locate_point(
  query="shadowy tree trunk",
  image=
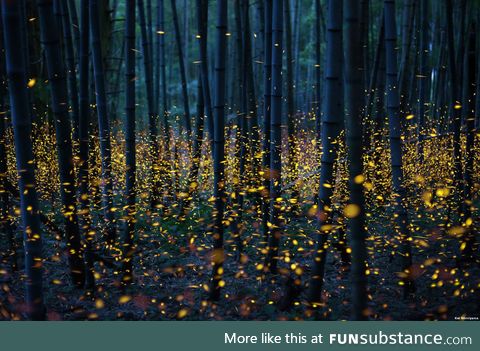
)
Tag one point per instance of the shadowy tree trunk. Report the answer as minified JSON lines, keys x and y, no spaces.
{"x":70,"y":63}
{"x":375,"y":91}
{"x":162,"y":96}
{"x":424,"y":74}
{"x":275,"y":138}
{"x":83,"y":136}
{"x":331,"y":125}
{"x":267,"y":76}
{"x":292,"y":123}
{"x":72,"y":9}
{"x":22,"y":130}
{"x":469,"y":74}
{"x":396,"y":147}
{"x":318,"y":71}
{"x":219,"y":150}
{"x":6,"y":225}
{"x":455,"y":106}
{"x":355,"y":210}
{"x":50,"y":38}
{"x":130,"y":179}
{"x":152,"y":113}
{"x":103,"y":122}
{"x":181,"y":61}
{"x":202,"y":20}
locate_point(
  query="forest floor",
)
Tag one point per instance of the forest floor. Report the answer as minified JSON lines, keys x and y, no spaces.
{"x":171,"y":273}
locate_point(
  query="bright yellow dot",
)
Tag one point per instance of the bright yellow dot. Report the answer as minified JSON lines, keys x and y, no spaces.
{"x":442,"y":192}
{"x":351,"y":210}
{"x":359,"y":179}
{"x":427,"y":197}
{"x":456,"y":231}
{"x":99,"y":304}
{"x":31,"y":82}
{"x":182,"y":313}
{"x":124,"y":299}
{"x":326,"y":227}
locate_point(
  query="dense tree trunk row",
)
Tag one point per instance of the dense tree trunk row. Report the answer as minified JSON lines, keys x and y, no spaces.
{"x":310,"y":127}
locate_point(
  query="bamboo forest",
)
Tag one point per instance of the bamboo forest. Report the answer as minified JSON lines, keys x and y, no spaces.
{"x":239,"y":160}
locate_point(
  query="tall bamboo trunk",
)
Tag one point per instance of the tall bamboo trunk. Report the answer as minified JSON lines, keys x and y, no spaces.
{"x":186,"y":38}
{"x":149,"y":25}
{"x":455,"y":106}
{"x":70,"y":63}
{"x":459,"y":38}
{"x":129,"y":127}
{"x":318,"y":72}
{"x":374,"y":93}
{"x":148,"y":70}
{"x":219,"y":150}
{"x":181,"y":60}
{"x":267,"y":76}
{"x":364,"y":9}
{"x":396,"y":146}
{"x":202,"y":20}
{"x":76,"y":28}
{"x":276,"y":138}
{"x":407,"y":36}
{"x":83,"y":136}
{"x":424,"y":74}
{"x":202,"y":13}
{"x":157,"y":35}
{"x":468,"y":245}
{"x":251,"y":102}
{"x":6,"y":225}
{"x":240,"y":131}
{"x":331,"y":125}
{"x":355,"y":210}
{"x":162,"y":95}
{"x":292,"y":123}
{"x":161,"y":58}
{"x":477,"y":100}
{"x":296,"y":28}
{"x":58,"y":88}
{"x":151,"y":107}
{"x":21,"y":122}
{"x":103,"y":122}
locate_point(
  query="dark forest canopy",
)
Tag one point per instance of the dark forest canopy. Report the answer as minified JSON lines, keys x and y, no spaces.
{"x":244,"y":159}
